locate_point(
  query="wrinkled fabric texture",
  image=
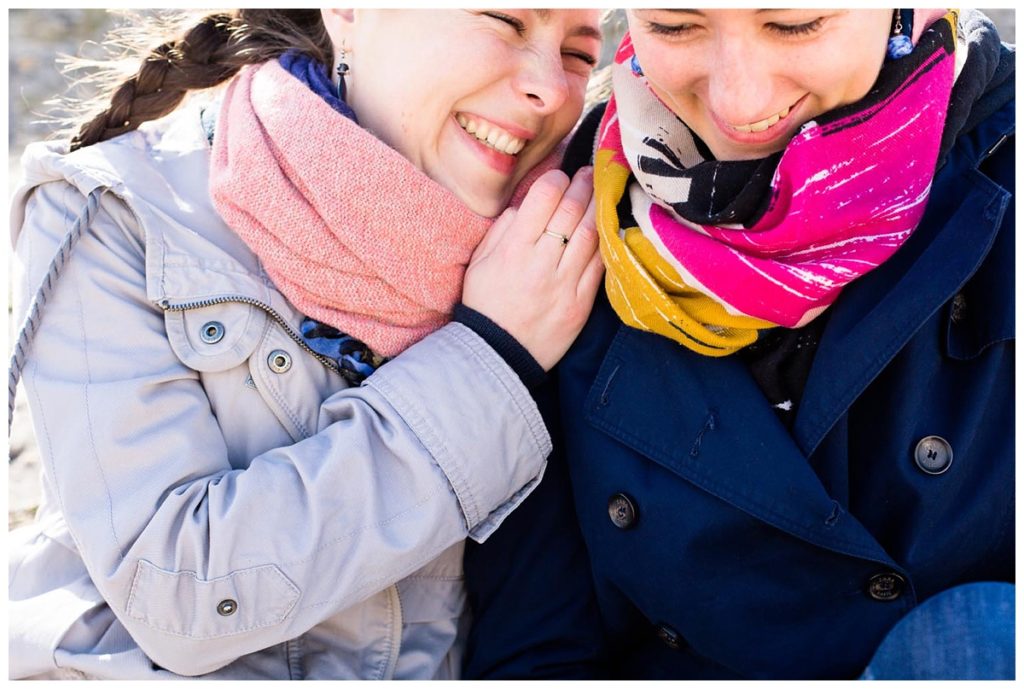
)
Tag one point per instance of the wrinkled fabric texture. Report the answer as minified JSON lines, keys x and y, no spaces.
{"x":724,"y":249}
{"x":217,"y":500}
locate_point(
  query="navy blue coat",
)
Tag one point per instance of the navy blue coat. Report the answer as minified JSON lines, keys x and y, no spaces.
{"x":751,"y":550}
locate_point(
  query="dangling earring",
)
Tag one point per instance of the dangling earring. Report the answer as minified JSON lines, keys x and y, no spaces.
{"x":342,"y":70}
{"x":899,"y":42}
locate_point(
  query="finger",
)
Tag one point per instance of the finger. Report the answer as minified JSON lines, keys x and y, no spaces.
{"x":591,"y":279}
{"x":582,"y":243}
{"x":494,"y":234}
{"x":538,"y":206}
{"x":574,"y":203}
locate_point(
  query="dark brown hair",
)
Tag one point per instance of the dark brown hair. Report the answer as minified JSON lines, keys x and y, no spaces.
{"x":201,"y":56}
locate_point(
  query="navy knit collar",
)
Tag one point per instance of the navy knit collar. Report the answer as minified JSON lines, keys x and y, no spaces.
{"x":313,"y":74}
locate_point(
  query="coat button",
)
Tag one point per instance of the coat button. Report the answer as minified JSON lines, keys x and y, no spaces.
{"x":622,"y":511}
{"x":670,"y":637}
{"x":279,"y":361}
{"x":958,"y":308}
{"x":886,"y":586}
{"x":933,"y":455}
{"x":212,"y":332}
{"x":227,"y":607}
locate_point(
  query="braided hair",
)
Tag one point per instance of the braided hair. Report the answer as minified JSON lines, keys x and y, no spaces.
{"x":204,"y":55}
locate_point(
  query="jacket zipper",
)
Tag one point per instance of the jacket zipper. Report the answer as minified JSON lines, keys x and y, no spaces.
{"x":166,"y":305}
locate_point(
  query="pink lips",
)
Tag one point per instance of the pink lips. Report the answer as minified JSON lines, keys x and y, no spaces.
{"x":500,"y":162}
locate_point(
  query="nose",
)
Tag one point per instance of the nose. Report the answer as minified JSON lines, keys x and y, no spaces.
{"x":740,"y":86}
{"x":541,"y":78}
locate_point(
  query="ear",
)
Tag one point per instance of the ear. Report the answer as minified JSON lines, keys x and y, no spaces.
{"x":339,"y":25}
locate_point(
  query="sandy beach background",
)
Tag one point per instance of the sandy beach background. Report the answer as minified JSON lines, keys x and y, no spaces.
{"x":35,"y":39}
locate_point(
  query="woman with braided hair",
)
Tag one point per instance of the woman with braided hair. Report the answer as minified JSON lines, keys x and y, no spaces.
{"x":289,"y":346}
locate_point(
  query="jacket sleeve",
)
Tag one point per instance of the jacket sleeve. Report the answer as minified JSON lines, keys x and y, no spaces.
{"x":529,"y":586}
{"x":203,"y":562}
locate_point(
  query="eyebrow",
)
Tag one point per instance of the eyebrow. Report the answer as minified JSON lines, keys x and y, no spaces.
{"x":584,"y":30}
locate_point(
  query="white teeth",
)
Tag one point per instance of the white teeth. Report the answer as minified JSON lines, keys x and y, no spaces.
{"x":491,"y":135}
{"x":761,"y":125}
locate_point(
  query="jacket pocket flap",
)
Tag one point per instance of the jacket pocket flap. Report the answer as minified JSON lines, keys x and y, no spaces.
{"x":217,"y":337}
{"x":183,"y":604}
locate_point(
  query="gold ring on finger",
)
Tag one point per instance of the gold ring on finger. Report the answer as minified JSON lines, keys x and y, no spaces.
{"x":559,"y":236}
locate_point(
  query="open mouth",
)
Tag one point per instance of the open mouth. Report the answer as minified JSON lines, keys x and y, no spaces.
{"x":764,"y":124}
{"x":490,"y":134}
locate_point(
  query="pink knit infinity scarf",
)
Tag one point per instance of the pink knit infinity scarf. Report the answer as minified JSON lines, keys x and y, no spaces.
{"x":350,"y":231}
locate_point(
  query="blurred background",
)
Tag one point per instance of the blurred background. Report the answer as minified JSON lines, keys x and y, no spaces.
{"x":36,"y":39}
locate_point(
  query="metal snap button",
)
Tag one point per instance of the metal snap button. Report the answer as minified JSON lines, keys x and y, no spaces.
{"x":622,"y":511}
{"x":886,"y":586}
{"x":212,"y":332}
{"x":227,"y":607}
{"x":279,"y":361}
{"x":933,"y":455}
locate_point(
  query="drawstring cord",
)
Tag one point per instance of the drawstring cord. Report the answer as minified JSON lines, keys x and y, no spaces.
{"x":32,"y":319}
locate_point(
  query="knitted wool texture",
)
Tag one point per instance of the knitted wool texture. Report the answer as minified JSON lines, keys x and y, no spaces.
{"x":351,"y":232}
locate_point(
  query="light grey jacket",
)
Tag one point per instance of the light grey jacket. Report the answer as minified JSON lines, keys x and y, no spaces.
{"x":215,"y":501}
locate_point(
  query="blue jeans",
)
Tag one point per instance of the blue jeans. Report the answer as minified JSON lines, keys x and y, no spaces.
{"x":966,"y":632}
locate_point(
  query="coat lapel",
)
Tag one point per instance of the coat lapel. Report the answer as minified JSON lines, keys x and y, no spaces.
{"x":705,"y":420}
{"x":876,"y":316}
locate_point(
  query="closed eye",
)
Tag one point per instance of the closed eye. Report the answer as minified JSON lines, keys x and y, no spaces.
{"x":797,"y":29}
{"x":516,"y":24}
{"x":587,"y":58}
{"x":670,"y":29}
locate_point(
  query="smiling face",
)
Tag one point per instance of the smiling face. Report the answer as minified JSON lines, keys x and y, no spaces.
{"x":746,"y":80}
{"x":474,"y":98}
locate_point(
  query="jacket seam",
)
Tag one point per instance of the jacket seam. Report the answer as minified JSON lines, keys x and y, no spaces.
{"x":80,"y":312}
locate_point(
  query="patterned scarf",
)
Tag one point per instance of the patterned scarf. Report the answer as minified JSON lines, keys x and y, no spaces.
{"x":724,"y":249}
{"x":352,"y":233}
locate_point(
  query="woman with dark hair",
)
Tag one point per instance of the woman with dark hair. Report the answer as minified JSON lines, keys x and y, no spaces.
{"x":789,"y":421}
{"x":283,"y":357}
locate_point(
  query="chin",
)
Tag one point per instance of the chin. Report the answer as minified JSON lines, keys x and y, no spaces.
{"x":488,"y":205}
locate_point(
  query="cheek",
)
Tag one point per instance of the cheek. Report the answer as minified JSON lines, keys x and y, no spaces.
{"x":860,"y":64}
